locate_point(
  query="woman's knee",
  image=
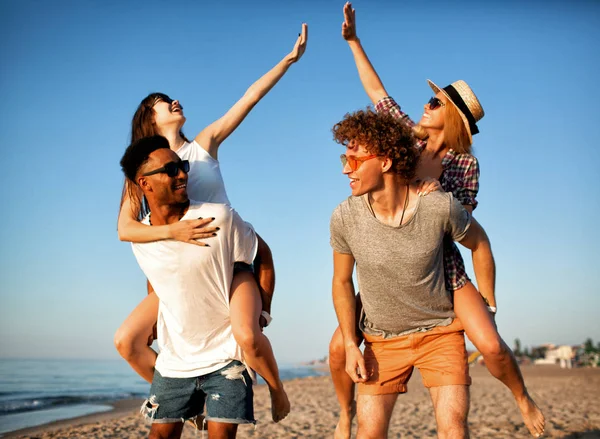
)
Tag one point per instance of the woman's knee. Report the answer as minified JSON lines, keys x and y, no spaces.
{"x":124,"y":343}
{"x":492,"y":345}
{"x":247,"y":338}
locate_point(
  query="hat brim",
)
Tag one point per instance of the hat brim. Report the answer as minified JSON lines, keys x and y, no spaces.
{"x":437,"y":90}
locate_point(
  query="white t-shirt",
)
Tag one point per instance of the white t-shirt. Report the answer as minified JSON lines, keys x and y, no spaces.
{"x":193,"y":285}
{"x":205,"y":182}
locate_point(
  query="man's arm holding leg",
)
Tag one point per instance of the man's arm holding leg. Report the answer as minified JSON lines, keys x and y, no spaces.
{"x":264,"y":272}
{"x":344,"y":301}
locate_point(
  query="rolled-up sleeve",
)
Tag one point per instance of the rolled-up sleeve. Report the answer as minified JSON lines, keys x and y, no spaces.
{"x":466,"y":193}
{"x":390,"y":106}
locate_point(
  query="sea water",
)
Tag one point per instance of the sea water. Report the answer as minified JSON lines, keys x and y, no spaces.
{"x":35,"y":392}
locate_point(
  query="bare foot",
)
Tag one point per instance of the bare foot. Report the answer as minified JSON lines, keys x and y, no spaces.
{"x":198,"y":423}
{"x":532,"y":415}
{"x":344,"y":426}
{"x":280,"y":404}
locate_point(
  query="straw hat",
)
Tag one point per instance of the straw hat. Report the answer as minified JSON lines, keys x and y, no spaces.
{"x":465,"y":101}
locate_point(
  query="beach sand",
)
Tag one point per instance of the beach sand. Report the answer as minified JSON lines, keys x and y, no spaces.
{"x":570,"y":400}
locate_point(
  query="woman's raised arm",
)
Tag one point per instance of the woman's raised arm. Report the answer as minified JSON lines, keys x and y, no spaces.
{"x":368,"y":76}
{"x":211,"y":137}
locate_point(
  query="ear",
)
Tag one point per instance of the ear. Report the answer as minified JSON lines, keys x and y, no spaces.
{"x":386,"y":164}
{"x":144,"y":184}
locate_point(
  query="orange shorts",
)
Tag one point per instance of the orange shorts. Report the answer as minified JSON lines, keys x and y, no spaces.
{"x":439,"y":354}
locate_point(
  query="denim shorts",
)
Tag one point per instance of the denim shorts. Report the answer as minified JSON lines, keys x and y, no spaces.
{"x":227,"y":393}
{"x":242,"y":267}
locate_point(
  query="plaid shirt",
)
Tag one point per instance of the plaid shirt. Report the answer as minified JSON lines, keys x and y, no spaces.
{"x":460,"y":175}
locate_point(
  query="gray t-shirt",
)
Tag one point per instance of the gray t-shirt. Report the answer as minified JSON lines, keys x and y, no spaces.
{"x":400,"y":269}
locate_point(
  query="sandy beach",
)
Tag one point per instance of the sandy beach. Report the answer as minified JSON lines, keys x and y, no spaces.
{"x":570,"y":400}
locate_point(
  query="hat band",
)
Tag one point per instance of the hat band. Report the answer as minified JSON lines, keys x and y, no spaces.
{"x":458,"y":101}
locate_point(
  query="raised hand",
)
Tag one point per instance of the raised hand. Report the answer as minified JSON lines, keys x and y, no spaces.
{"x":349,"y":24}
{"x":300,"y":45}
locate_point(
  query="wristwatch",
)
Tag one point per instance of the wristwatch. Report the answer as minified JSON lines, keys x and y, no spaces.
{"x":267,"y":317}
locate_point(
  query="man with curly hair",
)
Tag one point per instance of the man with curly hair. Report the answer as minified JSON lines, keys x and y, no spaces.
{"x":395,"y":238}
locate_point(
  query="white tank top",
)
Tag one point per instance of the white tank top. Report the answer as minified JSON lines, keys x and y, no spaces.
{"x":205,"y":182}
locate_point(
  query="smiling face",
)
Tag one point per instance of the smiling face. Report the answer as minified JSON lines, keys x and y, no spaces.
{"x":167,"y":113}
{"x":160,"y":189}
{"x":434,"y":118}
{"x":368,"y":175}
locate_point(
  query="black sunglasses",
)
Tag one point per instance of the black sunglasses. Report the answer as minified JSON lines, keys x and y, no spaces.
{"x":165,"y":98}
{"x":435,"y":103}
{"x":171,"y":169}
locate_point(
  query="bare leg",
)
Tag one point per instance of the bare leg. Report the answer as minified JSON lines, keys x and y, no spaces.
{"x":451,"y":407}
{"x":499,"y":359}
{"x":343,"y":384}
{"x":166,"y":431}
{"x":131,"y":339}
{"x":374,"y":414}
{"x":245,"y":309}
{"x":221,"y":430}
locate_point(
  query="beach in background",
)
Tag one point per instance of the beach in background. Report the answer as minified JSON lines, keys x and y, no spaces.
{"x":570,"y":399}
{"x":36,"y":392}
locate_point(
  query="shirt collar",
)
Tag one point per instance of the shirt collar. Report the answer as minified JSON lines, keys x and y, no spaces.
{"x":448,"y":158}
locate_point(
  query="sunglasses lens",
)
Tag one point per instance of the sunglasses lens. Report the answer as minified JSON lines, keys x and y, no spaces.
{"x":343,"y":159}
{"x":185,"y":166}
{"x":353,"y":163}
{"x":433,"y":103}
{"x":171,"y":169}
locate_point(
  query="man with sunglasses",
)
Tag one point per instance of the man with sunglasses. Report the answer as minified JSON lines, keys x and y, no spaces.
{"x":199,"y":361}
{"x":395,"y":238}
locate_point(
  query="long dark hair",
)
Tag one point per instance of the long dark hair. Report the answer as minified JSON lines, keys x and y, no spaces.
{"x":142,"y":126}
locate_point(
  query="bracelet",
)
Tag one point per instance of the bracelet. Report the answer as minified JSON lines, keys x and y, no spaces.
{"x":492,"y":309}
{"x":267,"y":317}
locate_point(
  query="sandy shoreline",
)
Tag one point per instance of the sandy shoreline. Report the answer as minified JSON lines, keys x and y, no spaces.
{"x":570,"y":399}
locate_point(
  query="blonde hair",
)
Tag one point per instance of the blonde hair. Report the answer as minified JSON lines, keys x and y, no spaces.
{"x":456,"y":136}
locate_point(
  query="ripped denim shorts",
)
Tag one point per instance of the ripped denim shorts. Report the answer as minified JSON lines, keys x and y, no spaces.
{"x":227,"y":393}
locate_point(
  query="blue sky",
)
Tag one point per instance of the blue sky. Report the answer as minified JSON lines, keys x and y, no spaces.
{"x":73,"y":73}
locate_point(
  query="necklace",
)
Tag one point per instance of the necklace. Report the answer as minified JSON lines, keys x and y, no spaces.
{"x":368,"y":200}
{"x":405,"y":205}
{"x":181,"y":214}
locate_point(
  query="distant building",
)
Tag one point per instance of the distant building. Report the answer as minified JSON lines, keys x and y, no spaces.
{"x":562,"y":355}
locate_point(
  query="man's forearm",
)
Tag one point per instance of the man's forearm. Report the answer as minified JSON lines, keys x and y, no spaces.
{"x":344,"y":301}
{"x":265,"y":277}
{"x":264,"y":272}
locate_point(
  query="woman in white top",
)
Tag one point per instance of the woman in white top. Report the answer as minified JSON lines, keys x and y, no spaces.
{"x":158,"y":114}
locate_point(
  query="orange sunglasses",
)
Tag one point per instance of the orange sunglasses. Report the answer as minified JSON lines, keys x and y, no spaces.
{"x":355,"y":162}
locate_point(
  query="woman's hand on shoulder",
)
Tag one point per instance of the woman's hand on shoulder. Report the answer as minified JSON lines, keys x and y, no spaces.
{"x":300,"y":46}
{"x":349,"y":24}
{"x":190,"y":231}
{"x":427,"y":185}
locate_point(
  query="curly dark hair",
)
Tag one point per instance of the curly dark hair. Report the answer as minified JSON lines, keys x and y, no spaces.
{"x":383,"y":135}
